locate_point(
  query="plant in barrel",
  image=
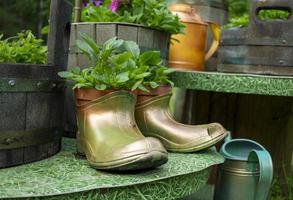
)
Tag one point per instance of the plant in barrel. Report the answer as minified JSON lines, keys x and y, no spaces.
{"x":31,"y":95}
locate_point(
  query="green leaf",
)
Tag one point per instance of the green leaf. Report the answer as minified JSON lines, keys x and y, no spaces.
{"x":154,"y":84}
{"x":101,"y":87}
{"x":82,"y":85}
{"x":132,"y":47}
{"x":137,"y":84}
{"x":65,"y":74}
{"x":143,"y":75}
{"x":85,"y":48}
{"x":122,"y":58}
{"x":122,"y":77}
{"x":45,"y":30}
{"x":169,"y":71}
{"x":150,"y":58}
{"x":90,"y":42}
{"x":76,"y":70}
{"x":112,"y":43}
{"x":141,"y":87}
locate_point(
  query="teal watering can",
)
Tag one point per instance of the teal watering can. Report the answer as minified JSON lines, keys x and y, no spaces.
{"x":247,"y":172}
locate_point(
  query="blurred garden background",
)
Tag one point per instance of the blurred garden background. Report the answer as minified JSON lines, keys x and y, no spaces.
{"x":17,"y":16}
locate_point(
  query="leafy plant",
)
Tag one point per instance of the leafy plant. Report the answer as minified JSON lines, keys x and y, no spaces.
{"x":238,"y":12}
{"x":23,"y":48}
{"x":151,"y":13}
{"x":118,"y":64}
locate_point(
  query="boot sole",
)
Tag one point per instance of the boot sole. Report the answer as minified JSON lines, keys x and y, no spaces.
{"x":138,"y":162}
{"x":193,"y":148}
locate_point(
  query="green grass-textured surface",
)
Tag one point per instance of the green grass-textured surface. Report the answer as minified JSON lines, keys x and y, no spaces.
{"x":234,"y":83}
{"x":66,"y":177}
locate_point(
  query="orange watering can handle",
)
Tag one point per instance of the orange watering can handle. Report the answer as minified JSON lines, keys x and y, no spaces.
{"x":216,"y":31}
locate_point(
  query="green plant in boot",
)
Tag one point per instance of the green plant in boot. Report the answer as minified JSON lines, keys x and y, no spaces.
{"x":118,"y":65}
{"x":108,"y":133}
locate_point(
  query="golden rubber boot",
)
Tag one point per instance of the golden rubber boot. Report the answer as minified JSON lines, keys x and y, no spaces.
{"x":154,"y":119}
{"x":110,"y":138}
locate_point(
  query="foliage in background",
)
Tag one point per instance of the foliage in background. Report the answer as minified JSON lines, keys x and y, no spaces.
{"x":118,"y":64}
{"x":239,"y":14}
{"x":23,"y":48}
{"x":23,"y":15}
{"x":277,"y":190}
{"x":152,"y":13}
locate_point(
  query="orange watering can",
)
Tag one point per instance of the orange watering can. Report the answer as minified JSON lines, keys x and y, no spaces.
{"x":189,"y":52}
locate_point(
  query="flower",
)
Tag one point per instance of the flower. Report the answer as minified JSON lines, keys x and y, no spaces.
{"x":114,"y":5}
{"x":97,"y":2}
{"x":84,"y":4}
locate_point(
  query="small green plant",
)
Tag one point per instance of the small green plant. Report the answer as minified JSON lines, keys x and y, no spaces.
{"x":23,"y":48}
{"x":282,"y":186}
{"x":151,"y":13}
{"x":118,"y":64}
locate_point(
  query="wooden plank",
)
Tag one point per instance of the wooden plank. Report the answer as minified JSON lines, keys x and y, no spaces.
{"x":218,"y":108}
{"x":58,"y":37}
{"x":267,"y":120}
{"x":73,"y":38}
{"x":14,"y":157}
{"x":72,"y":60}
{"x":12,"y":115}
{"x":56,"y":109}
{"x":30,"y":154}
{"x":54,"y":147}
{"x":145,"y":37}
{"x":104,"y":32}
{"x":231,"y":111}
{"x":200,"y":107}
{"x":3,"y":158}
{"x":38,"y":110}
{"x":83,"y":61}
{"x":88,"y":28}
{"x":161,"y":43}
{"x":127,"y":32}
{"x":25,"y":71}
{"x":70,"y":126}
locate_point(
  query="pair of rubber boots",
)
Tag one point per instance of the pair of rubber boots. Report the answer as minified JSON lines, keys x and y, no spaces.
{"x":118,"y":133}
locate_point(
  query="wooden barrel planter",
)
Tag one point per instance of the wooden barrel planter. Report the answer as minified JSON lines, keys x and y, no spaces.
{"x":264,"y":47}
{"x":146,"y":38}
{"x":30,"y":104}
{"x":31,"y":100}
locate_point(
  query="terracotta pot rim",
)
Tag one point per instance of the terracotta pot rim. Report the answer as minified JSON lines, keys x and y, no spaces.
{"x":89,"y":94}
{"x":156,"y":91}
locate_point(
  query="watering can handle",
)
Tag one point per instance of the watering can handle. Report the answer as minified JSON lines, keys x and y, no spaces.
{"x":216,"y":31}
{"x":266,"y":172}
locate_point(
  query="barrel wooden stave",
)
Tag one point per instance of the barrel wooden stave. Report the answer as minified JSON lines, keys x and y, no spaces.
{"x":25,"y":111}
{"x":146,"y":38}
